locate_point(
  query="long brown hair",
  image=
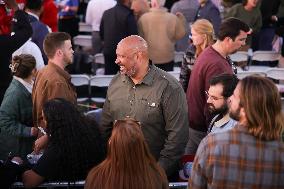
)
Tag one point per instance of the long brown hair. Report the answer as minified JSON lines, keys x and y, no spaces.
{"x":203,"y":27}
{"x":129,"y":163}
{"x":262,"y":105}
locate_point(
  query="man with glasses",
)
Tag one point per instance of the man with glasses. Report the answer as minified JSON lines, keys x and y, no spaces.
{"x":250,"y":155}
{"x":151,"y":96}
{"x":221,"y":88}
{"x":212,"y":61}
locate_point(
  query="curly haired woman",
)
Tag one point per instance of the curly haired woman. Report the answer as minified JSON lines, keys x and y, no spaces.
{"x":74,"y":146}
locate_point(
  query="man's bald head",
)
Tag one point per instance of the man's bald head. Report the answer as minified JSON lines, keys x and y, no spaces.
{"x":134,"y":43}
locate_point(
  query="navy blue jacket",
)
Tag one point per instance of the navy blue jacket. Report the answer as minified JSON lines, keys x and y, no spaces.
{"x":40,"y":30}
{"x":210,"y":12}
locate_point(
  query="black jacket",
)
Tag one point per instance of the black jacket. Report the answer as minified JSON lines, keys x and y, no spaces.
{"x":117,"y":23}
{"x":8,"y":44}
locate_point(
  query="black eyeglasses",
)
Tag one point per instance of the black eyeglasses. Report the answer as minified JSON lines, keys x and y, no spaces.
{"x":214,"y":98}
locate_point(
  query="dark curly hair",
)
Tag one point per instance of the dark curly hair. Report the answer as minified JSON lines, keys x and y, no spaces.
{"x":75,"y":138}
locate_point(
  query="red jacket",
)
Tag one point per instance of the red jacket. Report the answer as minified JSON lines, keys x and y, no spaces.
{"x":49,"y":15}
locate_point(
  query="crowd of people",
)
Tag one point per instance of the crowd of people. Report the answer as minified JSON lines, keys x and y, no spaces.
{"x":150,"y":121}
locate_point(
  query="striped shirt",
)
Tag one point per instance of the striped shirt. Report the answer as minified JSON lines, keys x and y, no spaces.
{"x":236,"y":159}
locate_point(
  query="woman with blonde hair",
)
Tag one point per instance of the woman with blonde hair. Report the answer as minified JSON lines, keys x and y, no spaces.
{"x":129,"y":163}
{"x":202,"y":35}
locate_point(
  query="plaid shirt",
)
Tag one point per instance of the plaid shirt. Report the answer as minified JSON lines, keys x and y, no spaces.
{"x":236,"y":159}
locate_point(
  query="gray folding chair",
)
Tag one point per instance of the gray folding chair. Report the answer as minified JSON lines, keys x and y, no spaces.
{"x":82,"y":84}
{"x":99,"y":81}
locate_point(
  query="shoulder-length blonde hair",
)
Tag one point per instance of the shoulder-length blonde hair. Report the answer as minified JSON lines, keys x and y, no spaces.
{"x":129,"y":163}
{"x":203,"y":27}
{"x":262,"y":105}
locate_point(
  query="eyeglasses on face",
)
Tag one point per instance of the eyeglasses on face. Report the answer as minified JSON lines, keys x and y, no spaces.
{"x":214,"y":98}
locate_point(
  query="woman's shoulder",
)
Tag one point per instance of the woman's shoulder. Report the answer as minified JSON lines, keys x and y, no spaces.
{"x":15,"y":90}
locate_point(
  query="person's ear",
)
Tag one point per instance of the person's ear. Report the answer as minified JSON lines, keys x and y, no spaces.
{"x":242,"y":112}
{"x":34,"y":72}
{"x":59,"y":52}
{"x":228,"y":39}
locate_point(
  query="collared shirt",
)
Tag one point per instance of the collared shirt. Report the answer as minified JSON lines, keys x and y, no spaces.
{"x":236,"y":159}
{"x":27,"y":85}
{"x":51,"y":82}
{"x":223,"y":124}
{"x":159,"y":103}
{"x":95,"y":10}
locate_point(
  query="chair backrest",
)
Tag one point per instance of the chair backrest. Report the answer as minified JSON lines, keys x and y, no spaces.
{"x":80,"y":79}
{"x":239,"y":56}
{"x":83,"y":40}
{"x":82,"y":84}
{"x":275,"y":73}
{"x":265,"y":56}
{"x":243,"y":74}
{"x":84,"y":27}
{"x":178,"y":56}
{"x":95,"y":114}
{"x":175,"y":74}
{"x":278,"y":74}
{"x":98,"y":64}
{"x":101,"y":80}
{"x":99,"y":58}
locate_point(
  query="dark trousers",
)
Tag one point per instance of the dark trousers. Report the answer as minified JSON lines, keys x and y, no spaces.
{"x":168,"y":66}
{"x":70,"y":25}
{"x":96,"y":42}
{"x":111,"y":68}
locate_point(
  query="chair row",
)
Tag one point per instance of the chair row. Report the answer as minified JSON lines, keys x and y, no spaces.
{"x":98,"y":62}
{"x":80,"y":184}
{"x":85,"y":82}
{"x":242,"y":56}
{"x":264,"y":71}
{"x":80,"y":80}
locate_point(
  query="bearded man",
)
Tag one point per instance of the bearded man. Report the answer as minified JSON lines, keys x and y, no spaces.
{"x":52,"y":81}
{"x":250,"y":155}
{"x":221,"y":88}
{"x":153,"y":97}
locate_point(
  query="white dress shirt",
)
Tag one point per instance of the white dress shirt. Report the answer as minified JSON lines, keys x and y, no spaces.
{"x":31,"y":48}
{"x":95,"y":10}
